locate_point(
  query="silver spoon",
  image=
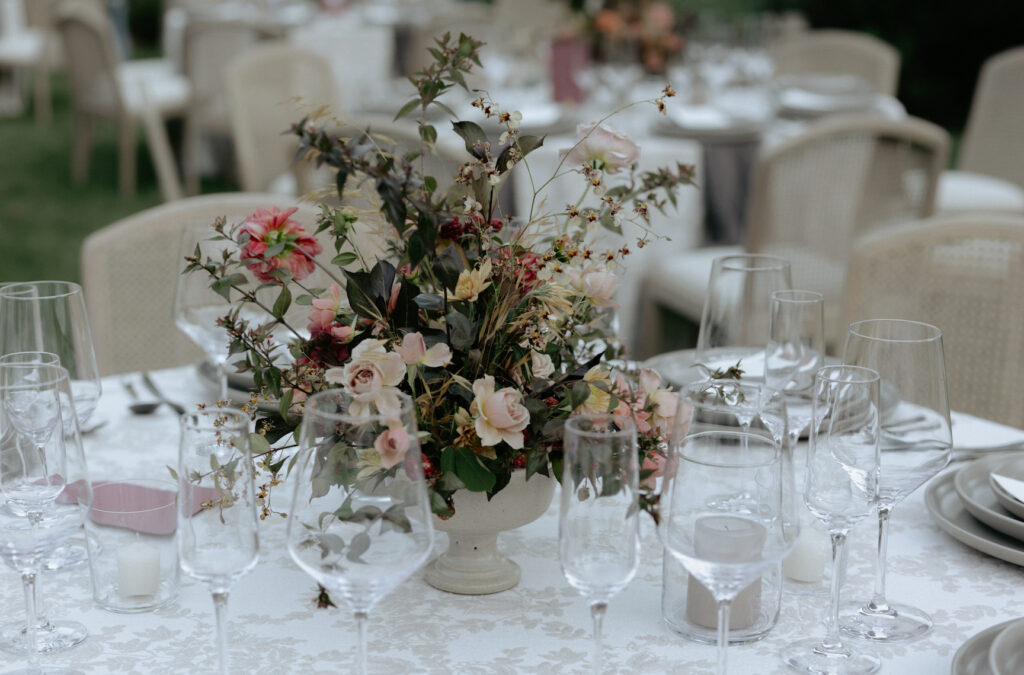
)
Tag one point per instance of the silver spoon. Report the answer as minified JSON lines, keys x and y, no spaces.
{"x":139,"y":407}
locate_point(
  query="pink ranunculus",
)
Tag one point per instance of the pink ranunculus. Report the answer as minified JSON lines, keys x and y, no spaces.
{"x":612,"y":150}
{"x":270,"y":228}
{"x":500,"y":415}
{"x":392,"y":445}
{"x":414,"y":352}
{"x":325,"y":309}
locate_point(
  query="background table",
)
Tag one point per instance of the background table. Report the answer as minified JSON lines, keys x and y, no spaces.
{"x":540,"y":626}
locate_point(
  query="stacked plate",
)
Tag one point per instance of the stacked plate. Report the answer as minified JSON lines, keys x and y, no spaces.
{"x":977,"y":510}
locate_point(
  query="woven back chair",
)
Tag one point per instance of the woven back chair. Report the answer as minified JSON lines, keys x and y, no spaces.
{"x":993,"y":141}
{"x":840,"y":52}
{"x":964,"y":274}
{"x":270,"y":88}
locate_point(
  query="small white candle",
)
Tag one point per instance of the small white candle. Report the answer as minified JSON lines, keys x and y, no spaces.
{"x":806,"y":562}
{"x":726,"y":539}
{"x":138,"y":569}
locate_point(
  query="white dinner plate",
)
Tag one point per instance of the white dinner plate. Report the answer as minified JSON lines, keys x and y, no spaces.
{"x":947,"y":509}
{"x":972,"y":657}
{"x":1006,"y":656}
{"x":1012,"y":468}
{"x":973,"y":488}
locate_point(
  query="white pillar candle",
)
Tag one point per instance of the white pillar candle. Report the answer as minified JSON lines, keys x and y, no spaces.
{"x":806,"y":562}
{"x":726,"y":539}
{"x":138,"y":569}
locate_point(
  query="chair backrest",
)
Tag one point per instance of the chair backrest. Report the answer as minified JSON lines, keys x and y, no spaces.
{"x":209,"y":45}
{"x":993,"y":142}
{"x":813,"y":194}
{"x":90,"y":58}
{"x":270,"y":88}
{"x":964,"y":274}
{"x":840,"y":52}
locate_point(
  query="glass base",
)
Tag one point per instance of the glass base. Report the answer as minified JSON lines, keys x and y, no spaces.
{"x":897,"y":623}
{"x":808,"y":656}
{"x":66,"y":557}
{"x":44,"y":671}
{"x":51,"y":637}
{"x":817,"y":588}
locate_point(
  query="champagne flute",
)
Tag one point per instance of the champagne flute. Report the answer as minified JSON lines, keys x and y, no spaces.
{"x":724,"y":543}
{"x":360,"y":520}
{"x":841,"y":489}
{"x":51,"y":635}
{"x":50,"y":316}
{"x":43,"y":480}
{"x":218,"y":543}
{"x":598,"y":535}
{"x":916,"y":443}
{"x":795,"y":351}
{"x":735,"y":321}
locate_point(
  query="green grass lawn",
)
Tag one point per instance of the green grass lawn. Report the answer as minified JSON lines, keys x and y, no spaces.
{"x":43,"y":216}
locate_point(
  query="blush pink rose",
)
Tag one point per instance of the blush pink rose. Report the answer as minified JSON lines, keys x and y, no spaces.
{"x":414,"y":352}
{"x":392,"y":445}
{"x":500,"y":415}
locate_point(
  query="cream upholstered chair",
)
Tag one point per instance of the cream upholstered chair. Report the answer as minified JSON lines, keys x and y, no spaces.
{"x":270,"y":88}
{"x":208,"y":46}
{"x":839,"y":52}
{"x":25,"y":48}
{"x":126,"y":93}
{"x":990,"y":166}
{"x":965,"y":274}
{"x":810,"y":197}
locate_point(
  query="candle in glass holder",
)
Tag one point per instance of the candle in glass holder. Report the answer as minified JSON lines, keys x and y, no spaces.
{"x":138,"y":569}
{"x":726,"y":539}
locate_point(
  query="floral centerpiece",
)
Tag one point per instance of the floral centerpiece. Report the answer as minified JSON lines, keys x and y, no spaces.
{"x":496,"y":327}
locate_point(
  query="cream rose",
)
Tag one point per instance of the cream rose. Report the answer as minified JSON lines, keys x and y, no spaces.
{"x":600,"y":286}
{"x":499,"y":415}
{"x":472,"y":283}
{"x":370,"y":377}
{"x":541,"y":365}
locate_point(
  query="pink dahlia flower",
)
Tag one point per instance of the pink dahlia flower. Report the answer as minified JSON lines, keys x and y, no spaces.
{"x":275,"y":242}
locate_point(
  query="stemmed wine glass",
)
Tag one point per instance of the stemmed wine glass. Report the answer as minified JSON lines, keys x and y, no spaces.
{"x":841,"y":489}
{"x":360,"y":521}
{"x":735,"y":321}
{"x":51,"y":635}
{"x":726,"y":543}
{"x":916,"y":442}
{"x":218,"y":543}
{"x":43,"y":478}
{"x":795,"y":351}
{"x":731,"y":403}
{"x":598,"y":535}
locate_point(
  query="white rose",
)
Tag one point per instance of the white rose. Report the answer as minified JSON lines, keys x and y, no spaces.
{"x":613,"y":150}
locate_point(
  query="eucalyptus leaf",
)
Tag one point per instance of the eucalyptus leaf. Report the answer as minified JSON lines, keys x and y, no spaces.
{"x":359,"y":545}
{"x":283,"y":302}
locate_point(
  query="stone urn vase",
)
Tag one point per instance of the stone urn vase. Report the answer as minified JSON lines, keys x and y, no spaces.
{"x":472,"y":564}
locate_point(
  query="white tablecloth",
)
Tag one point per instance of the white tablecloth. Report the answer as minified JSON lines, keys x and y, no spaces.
{"x":540,"y":626}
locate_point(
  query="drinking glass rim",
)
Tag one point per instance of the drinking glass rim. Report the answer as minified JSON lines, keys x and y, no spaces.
{"x":854,"y":329}
{"x":810,"y":296}
{"x":629,"y":429}
{"x":775,"y":454}
{"x":61,"y":374}
{"x":868,"y":375}
{"x":72,"y":289}
{"x":404,"y":400}
{"x":764,"y":262}
{"x":6,"y":360}
{"x":237,"y":415}
{"x":169,"y":485}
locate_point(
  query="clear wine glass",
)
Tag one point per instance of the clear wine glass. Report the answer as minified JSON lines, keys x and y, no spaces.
{"x":197,"y":307}
{"x":598,"y":535}
{"x":724,"y":543}
{"x":841,"y":489}
{"x":50,"y":316}
{"x":43,"y":480}
{"x":360,"y":521}
{"x":58,"y":634}
{"x":218,"y":543}
{"x":916,"y":442}
{"x":731,"y":403}
{"x":794,"y":353}
{"x":735,"y":322}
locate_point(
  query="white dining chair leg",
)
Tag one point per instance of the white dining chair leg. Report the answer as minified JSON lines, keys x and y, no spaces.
{"x":162,"y":154}
{"x":190,"y":155}
{"x":126,"y":143}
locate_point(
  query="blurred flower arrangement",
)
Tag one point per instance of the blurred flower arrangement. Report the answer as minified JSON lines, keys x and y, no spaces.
{"x":648,"y":30}
{"x":496,"y":328}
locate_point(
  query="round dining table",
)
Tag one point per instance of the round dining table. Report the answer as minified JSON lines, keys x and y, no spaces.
{"x":540,"y":626}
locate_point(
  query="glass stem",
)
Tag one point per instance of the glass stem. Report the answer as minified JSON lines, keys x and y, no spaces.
{"x":28,"y":580}
{"x":222,"y":372}
{"x":597,"y":611}
{"x":723,"y":635}
{"x":220,"y":608}
{"x":361,"y":662}
{"x":878,"y":602}
{"x":832,"y":643}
